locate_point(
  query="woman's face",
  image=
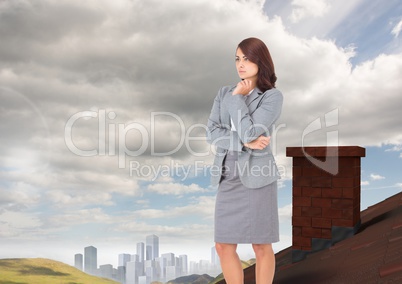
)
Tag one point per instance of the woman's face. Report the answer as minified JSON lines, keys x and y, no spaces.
{"x":245,"y":68}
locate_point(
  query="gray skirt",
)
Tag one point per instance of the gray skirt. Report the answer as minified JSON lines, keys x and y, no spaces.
{"x":244,"y":215}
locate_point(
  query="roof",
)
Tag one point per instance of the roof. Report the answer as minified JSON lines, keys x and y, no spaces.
{"x":372,"y":255}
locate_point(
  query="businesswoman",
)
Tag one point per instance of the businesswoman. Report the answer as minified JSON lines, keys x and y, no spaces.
{"x":240,"y":125}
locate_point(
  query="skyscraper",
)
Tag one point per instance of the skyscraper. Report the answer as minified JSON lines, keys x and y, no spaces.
{"x":140,"y":251}
{"x":124,"y":258}
{"x":183,"y":264}
{"x":91,"y":260}
{"x":152,"y":247}
{"x":78,"y":261}
{"x":214,"y":256}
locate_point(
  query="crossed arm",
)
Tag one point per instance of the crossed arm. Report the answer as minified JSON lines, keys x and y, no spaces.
{"x":252,"y":129}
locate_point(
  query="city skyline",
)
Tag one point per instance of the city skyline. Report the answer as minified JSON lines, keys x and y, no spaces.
{"x":103,"y":110}
{"x":135,"y":269}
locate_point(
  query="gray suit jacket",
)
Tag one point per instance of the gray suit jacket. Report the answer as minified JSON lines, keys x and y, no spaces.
{"x":252,"y":116}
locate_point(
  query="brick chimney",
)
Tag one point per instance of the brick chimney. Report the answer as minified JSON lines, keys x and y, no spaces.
{"x":326,"y":196}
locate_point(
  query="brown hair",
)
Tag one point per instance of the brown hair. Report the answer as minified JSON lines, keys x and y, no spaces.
{"x":258,"y":53}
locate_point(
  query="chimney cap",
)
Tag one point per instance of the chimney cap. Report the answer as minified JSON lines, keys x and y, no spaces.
{"x":326,"y":151}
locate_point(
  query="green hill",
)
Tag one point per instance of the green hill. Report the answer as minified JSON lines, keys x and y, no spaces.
{"x":44,"y":271}
{"x":218,"y":278}
{"x":193,"y":279}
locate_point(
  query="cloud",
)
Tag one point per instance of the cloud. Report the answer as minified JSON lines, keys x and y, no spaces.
{"x":397,"y":29}
{"x":285,"y":213}
{"x":308,"y":8}
{"x":363,"y":183}
{"x":175,"y":188}
{"x":202,"y":206}
{"x":376,"y":177}
{"x":15,"y":223}
{"x":396,"y":148}
{"x":79,"y":217}
{"x":61,"y":198}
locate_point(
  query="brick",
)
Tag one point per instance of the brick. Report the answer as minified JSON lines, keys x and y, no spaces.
{"x":297,"y":171}
{"x":320,"y":199}
{"x":294,"y":152}
{"x":301,"y":221}
{"x":356,"y":181}
{"x":301,"y":201}
{"x":326,"y":233}
{"x":321,"y":222}
{"x":311,"y":211}
{"x":301,"y":162}
{"x":342,"y":223}
{"x":348,"y":192}
{"x":348,"y":172}
{"x":296,"y":231}
{"x":342,"y":203}
{"x":297,"y":191}
{"x":326,"y":174}
{"x":311,"y":232}
{"x":301,"y":241}
{"x":354,"y":151}
{"x":309,"y":151}
{"x":347,"y":214}
{"x":343,"y":182}
{"x":301,"y":181}
{"x":356,"y":218}
{"x":311,"y":192}
{"x":356,"y":200}
{"x":321,"y":202}
{"x":311,"y":172}
{"x":327,"y":151}
{"x":296,"y":211}
{"x":321,"y":182}
{"x":332,"y":213}
{"x":349,"y":162}
{"x":331,"y":192}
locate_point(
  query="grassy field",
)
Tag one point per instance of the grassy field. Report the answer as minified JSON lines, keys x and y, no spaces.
{"x":218,"y":278}
{"x":44,"y":271}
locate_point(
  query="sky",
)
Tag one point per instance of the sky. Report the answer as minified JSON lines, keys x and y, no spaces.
{"x":104,"y":106}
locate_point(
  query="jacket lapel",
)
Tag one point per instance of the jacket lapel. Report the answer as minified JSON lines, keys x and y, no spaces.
{"x":253,"y":99}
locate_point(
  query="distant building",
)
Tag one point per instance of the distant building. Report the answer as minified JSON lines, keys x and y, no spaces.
{"x":160,"y":265}
{"x":134,"y":270}
{"x":144,"y":280}
{"x":121,"y":274}
{"x":151,"y":269}
{"x":124,"y":258}
{"x":204,"y":265}
{"x":183,"y":263}
{"x":170,"y":259}
{"x":146,"y":265}
{"x":91,"y":260}
{"x":134,"y":257}
{"x":78,"y":261}
{"x":140,"y":251}
{"x":172,"y":272}
{"x":152,"y":247}
{"x":214,"y":256}
{"x":106,"y":271}
{"x":193,"y":267}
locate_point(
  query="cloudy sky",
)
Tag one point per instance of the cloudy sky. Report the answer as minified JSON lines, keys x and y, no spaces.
{"x":104,"y":106}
